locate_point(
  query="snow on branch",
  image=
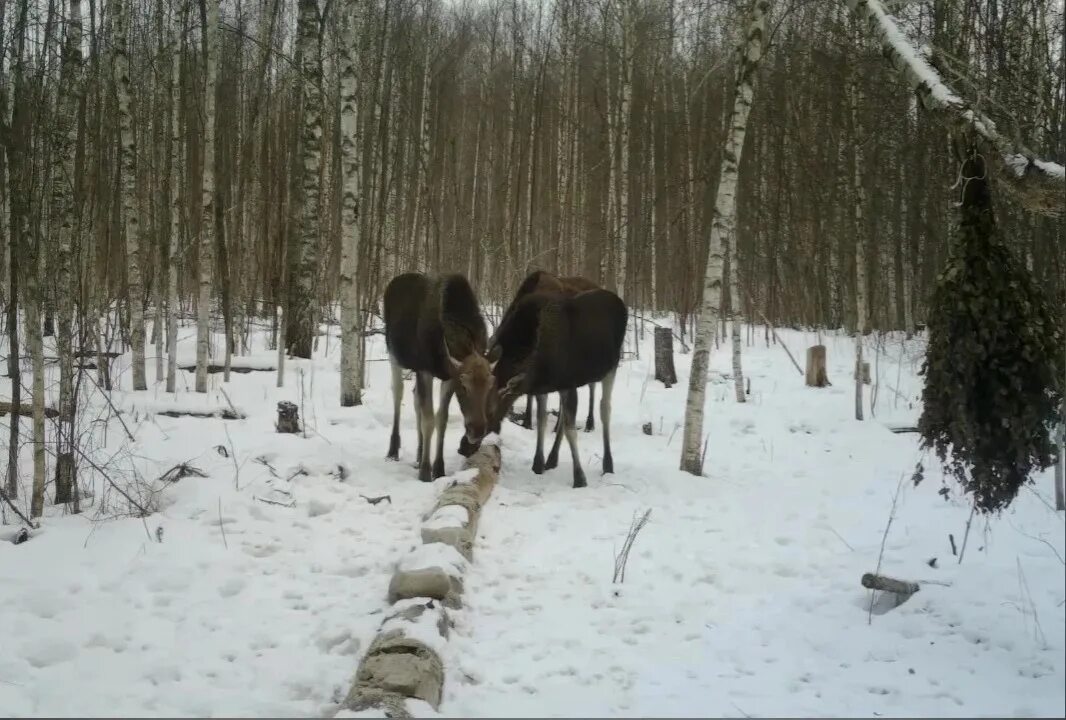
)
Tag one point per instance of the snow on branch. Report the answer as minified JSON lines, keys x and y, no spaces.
{"x":1038,"y":185}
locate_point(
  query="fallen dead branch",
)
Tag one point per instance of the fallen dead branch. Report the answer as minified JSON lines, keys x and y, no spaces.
{"x":376,"y":500}
{"x":622,"y":557}
{"x":179,"y":471}
{"x":274,"y":502}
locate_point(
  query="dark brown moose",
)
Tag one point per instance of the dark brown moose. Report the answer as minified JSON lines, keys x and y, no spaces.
{"x":552,"y":343}
{"x":434,"y":327}
{"x":543,"y":281}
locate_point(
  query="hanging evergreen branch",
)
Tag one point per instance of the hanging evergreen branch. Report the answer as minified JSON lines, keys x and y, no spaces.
{"x":993,"y":365}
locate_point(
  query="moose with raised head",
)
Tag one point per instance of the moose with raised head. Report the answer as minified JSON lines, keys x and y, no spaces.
{"x":434,"y":327}
{"x":553,"y":343}
{"x":545,"y":282}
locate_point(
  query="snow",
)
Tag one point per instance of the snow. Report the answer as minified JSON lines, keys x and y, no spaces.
{"x":423,"y":629}
{"x":436,"y":554}
{"x":741,"y":595}
{"x":449,"y":516}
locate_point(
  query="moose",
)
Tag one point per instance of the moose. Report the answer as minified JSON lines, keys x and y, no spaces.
{"x":434,"y":327}
{"x":543,"y":281}
{"x":553,"y":343}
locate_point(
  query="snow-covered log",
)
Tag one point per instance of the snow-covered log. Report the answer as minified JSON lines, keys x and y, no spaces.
{"x":404,"y":660}
{"x":1039,"y":185}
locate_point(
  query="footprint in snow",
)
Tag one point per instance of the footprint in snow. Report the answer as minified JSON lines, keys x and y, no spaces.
{"x":231,"y":587}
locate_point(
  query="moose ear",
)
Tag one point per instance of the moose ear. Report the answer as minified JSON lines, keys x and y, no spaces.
{"x":447,"y":351}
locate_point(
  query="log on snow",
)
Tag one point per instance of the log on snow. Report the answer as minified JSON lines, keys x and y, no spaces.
{"x":26,"y":410}
{"x":886,"y":584}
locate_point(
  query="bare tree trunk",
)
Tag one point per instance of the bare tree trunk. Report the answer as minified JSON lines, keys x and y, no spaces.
{"x":63,"y":189}
{"x":859,"y":232}
{"x":734,"y":306}
{"x":134,"y":282}
{"x":35,"y":341}
{"x":351,"y":322}
{"x":722,"y":227}
{"x":174,"y":176}
{"x":209,"y":11}
{"x":300,"y":319}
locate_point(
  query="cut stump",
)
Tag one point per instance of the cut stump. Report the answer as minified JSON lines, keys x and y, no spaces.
{"x":664,"y":356}
{"x":288,"y":417}
{"x":816,"y":375}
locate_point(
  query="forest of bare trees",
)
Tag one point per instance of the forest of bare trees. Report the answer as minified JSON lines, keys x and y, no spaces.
{"x":282,"y":160}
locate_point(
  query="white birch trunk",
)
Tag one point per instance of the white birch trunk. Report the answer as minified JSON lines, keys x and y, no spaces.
{"x":624,"y":105}
{"x":734,"y":311}
{"x":351,"y":322}
{"x":63,"y":189}
{"x":859,"y":232}
{"x":173,"y":181}
{"x":32,"y":310}
{"x":722,"y":227}
{"x":207,"y":221}
{"x":134,"y":282}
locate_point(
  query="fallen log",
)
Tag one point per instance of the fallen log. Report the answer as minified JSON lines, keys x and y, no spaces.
{"x":26,"y":410}
{"x":404,"y":659}
{"x":214,"y":368}
{"x":902,"y":588}
{"x":225,"y":414}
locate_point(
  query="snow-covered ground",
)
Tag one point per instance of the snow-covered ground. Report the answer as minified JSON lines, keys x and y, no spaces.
{"x":741,"y":596}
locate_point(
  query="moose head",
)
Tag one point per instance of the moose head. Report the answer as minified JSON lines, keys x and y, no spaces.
{"x":474,"y":384}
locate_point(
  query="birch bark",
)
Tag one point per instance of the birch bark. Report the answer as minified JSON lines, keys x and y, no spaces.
{"x":722,"y":226}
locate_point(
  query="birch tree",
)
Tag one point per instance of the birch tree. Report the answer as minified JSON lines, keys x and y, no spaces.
{"x":209,"y":12}
{"x":67,"y":216}
{"x":351,"y":321}
{"x":173,"y":183}
{"x":859,"y":233}
{"x":300,"y":320}
{"x":723,"y":225}
{"x":129,"y":210}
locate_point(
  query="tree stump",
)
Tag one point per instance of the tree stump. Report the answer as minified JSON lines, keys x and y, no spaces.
{"x":664,"y":356}
{"x":816,"y":375}
{"x":646,"y":427}
{"x":288,"y":417}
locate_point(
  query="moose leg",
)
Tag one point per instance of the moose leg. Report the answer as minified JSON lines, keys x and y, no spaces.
{"x":425,"y":421}
{"x":553,"y":456}
{"x":542,"y":422}
{"x":397,"y":400}
{"x":605,"y":418}
{"x":446,"y":390}
{"x":527,"y":419}
{"x":590,"y":423}
{"x":415,"y":394}
{"x":570,"y":428}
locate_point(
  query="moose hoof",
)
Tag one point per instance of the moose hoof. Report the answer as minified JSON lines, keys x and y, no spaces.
{"x":608,"y":465}
{"x":538,"y":465}
{"x":553,"y":462}
{"x":438,"y":469}
{"x":392,"y":456}
{"x":424,"y":474}
{"x":579,"y":480}
{"x":590,"y":425}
